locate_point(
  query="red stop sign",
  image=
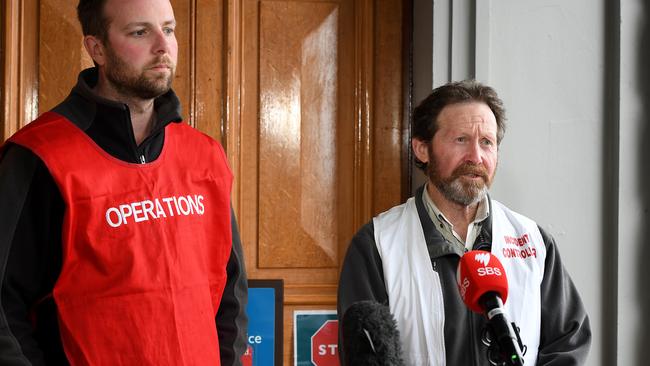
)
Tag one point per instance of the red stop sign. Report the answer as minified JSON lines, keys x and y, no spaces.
{"x":247,"y":357}
{"x":324,"y":345}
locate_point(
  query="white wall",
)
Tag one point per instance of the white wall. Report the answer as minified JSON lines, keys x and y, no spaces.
{"x":633,"y":330}
{"x":575,"y":155}
{"x":546,"y":61}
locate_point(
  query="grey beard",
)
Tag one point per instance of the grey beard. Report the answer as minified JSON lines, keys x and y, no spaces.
{"x":457,"y":193}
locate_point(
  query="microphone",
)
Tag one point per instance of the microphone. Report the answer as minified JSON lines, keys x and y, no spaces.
{"x":483,"y":287}
{"x":370,"y":336}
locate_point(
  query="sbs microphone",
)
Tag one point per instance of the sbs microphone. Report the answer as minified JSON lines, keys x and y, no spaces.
{"x":370,"y":336}
{"x":483,"y":287}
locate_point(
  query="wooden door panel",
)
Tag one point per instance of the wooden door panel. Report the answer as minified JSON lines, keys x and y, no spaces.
{"x":297,"y":132}
{"x":19,"y":40}
{"x":185,"y":66}
{"x":208,"y":55}
{"x":296,"y":147}
{"x":61,"y":52}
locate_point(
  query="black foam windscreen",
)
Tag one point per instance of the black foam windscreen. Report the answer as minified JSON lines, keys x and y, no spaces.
{"x":370,"y":336}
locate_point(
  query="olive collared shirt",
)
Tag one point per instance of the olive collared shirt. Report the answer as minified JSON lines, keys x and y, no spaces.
{"x":446,"y":228}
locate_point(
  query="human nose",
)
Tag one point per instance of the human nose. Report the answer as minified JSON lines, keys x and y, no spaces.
{"x":474,"y":153}
{"x":164,"y":42}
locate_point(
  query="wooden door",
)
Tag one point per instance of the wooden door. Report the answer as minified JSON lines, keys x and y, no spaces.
{"x":297,"y":151}
{"x":305,"y":95}
{"x":317,"y":143}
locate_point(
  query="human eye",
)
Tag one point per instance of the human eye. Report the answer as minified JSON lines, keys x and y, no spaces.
{"x":168,"y":31}
{"x":138,"y":32}
{"x":461,"y":139}
{"x":487,"y":142}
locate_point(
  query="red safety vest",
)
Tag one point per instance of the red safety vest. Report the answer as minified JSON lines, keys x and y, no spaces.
{"x":145,"y":246}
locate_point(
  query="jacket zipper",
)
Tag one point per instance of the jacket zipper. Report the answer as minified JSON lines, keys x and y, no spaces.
{"x":140,"y":151}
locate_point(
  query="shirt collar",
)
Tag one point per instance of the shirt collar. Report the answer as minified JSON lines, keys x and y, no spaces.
{"x":482,"y":212}
{"x":445,"y":227}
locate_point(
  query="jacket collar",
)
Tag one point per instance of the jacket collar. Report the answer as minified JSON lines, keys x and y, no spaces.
{"x":108,"y":122}
{"x":437,"y":245}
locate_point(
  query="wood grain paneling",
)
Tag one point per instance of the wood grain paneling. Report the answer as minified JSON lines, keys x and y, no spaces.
{"x":317,"y":144}
{"x":364,"y":107}
{"x":183,"y":81}
{"x":208,"y":58}
{"x":389,"y":129}
{"x":20,"y":65}
{"x":61,"y":52}
{"x":199,"y":72}
{"x":297,"y":135}
{"x":296,"y":142}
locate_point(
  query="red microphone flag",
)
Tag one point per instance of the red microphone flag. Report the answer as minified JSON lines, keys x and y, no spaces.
{"x":478,"y":273}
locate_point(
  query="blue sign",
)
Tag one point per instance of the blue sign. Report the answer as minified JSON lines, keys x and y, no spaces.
{"x":264,"y":308}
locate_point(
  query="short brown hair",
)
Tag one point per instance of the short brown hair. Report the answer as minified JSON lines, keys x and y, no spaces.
{"x":425,"y":115}
{"x":92,"y":18}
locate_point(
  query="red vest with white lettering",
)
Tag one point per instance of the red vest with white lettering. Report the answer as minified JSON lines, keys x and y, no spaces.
{"x":145,"y":246}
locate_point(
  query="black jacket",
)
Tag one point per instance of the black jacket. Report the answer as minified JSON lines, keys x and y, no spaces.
{"x":31,"y":217}
{"x":565,"y":331}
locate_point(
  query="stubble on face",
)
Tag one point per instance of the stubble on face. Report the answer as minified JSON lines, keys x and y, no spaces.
{"x":458,"y":187}
{"x":135,"y":83}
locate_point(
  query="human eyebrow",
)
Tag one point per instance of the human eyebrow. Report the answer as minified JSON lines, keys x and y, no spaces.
{"x":130,"y":26}
{"x":147,"y":25}
{"x":171,"y":22}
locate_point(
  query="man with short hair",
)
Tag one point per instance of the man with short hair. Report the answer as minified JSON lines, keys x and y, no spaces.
{"x":118,"y":245}
{"x":406,"y":258}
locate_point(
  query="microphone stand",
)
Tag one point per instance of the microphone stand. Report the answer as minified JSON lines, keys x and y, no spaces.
{"x":508,"y":341}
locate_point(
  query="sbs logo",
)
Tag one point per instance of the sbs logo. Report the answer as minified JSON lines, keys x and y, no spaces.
{"x":483,"y":258}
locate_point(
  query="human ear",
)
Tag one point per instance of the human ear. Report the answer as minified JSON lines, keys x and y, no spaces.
{"x":95,"y":49}
{"x":420,"y":149}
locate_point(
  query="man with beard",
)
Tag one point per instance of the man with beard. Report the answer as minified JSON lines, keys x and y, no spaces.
{"x":406,"y":258}
{"x":118,"y":245}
